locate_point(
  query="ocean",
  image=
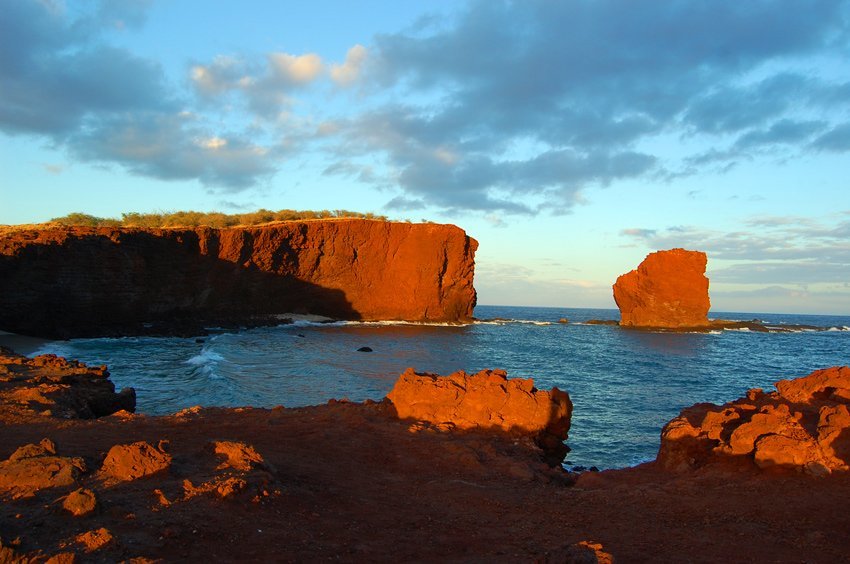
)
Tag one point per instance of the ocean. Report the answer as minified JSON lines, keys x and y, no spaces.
{"x":624,"y":384}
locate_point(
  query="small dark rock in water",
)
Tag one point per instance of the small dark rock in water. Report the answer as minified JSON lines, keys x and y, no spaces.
{"x":300,"y":335}
{"x":199,"y":340}
{"x":364,"y":349}
{"x":563,"y":320}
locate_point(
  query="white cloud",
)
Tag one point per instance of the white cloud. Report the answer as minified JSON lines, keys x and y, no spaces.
{"x":295,"y":69}
{"x":348,"y":72}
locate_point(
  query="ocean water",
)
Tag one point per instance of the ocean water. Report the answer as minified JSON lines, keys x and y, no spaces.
{"x":624,"y":384}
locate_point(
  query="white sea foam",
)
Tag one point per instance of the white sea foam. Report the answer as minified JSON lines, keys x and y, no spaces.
{"x":207,"y":356}
{"x":510,"y":322}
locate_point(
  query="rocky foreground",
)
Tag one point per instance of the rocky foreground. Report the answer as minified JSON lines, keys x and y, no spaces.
{"x":446,"y":469}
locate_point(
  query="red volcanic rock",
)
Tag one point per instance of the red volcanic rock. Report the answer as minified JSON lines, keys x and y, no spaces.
{"x":486,"y":400}
{"x":584,"y":552}
{"x":668,"y":290}
{"x":95,"y":539}
{"x":137,"y":460}
{"x":80,"y":502}
{"x":36,"y":467}
{"x":237,"y":455}
{"x":65,"y":282}
{"x":51,"y":385}
{"x":804,"y":425}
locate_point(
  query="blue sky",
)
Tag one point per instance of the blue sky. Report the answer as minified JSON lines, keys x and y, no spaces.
{"x":570,"y":138}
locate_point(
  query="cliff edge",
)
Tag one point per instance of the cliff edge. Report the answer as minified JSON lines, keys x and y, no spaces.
{"x":79,"y":281}
{"x":668,"y":290}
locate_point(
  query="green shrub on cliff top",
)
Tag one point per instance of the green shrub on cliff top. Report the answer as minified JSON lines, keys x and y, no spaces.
{"x":209,"y":219}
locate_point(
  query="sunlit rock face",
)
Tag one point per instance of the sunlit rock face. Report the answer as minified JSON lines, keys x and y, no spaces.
{"x":804,"y":425}
{"x":668,"y":289}
{"x":487,"y":400}
{"x":70,"y":282}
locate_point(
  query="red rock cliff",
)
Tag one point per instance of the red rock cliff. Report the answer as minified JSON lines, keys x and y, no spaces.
{"x":67,"y":282}
{"x":668,"y":290}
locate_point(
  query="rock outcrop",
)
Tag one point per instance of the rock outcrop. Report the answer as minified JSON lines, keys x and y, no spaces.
{"x":35,"y":467}
{"x":485,"y":400}
{"x":804,"y":425}
{"x":668,"y":290}
{"x":68,"y":282}
{"x":51,"y":385}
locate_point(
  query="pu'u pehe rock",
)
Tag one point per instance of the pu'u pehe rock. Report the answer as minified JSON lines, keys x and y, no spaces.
{"x":485,"y":400}
{"x":668,"y":290}
{"x":79,"y":281}
{"x":804,"y":425}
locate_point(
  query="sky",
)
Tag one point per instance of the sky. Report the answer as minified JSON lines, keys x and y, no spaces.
{"x":570,"y":138}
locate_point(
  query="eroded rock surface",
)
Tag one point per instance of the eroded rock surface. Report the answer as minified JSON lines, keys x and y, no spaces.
{"x":668,"y":289}
{"x":51,"y":385}
{"x":133,"y":461}
{"x":804,"y":425}
{"x":35,"y":467}
{"x":67,"y":282}
{"x":485,"y":400}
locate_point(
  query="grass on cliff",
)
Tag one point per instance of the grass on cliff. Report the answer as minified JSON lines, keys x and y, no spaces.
{"x":209,"y":219}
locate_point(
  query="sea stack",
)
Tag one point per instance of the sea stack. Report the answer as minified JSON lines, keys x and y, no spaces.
{"x":668,"y":290}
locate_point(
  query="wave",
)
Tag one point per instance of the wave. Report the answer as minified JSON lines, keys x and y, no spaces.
{"x":206,"y":357}
{"x":206,"y":363}
{"x":511,"y":322}
{"x":305,"y":323}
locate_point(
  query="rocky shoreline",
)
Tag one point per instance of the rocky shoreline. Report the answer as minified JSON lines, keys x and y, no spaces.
{"x":355,"y":481}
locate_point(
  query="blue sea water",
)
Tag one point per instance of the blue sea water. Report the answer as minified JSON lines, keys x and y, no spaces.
{"x":624,"y":384}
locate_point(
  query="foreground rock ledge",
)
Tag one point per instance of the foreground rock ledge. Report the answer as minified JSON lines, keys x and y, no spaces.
{"x":79,"y":281}
{"x":485,"y":400}
{"x":804,"y":425}
{"x":668,"y":290}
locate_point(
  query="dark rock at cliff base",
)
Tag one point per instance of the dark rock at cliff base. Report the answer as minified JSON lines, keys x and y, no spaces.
{"x":51,"y":385}
{"x":804,"y":425}
{"x":668,"y":289}
{"x":364,"y":349}
{"x":81,"y":281}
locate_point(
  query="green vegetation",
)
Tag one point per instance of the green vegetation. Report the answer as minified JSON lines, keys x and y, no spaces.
{"x":209,"y":219}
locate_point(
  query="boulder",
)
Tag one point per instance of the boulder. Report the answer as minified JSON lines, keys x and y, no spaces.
{"x":80,"y":502}
{"x":485,"y":400}
{"x":133,"y":461}
{"x":804,"y":425}
{"x":36,"y":467}
{"x":668,"y":290}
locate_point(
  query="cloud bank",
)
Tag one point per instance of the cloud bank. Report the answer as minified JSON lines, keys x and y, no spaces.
{"x":510,"y":107}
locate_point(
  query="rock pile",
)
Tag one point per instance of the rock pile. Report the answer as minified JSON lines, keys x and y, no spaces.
{"x":803,"y":425}
{"x":52,"y":386}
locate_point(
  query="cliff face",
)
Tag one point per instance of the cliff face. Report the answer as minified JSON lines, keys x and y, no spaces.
{"x":669,"y":289}
{"x":67,"y":282}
